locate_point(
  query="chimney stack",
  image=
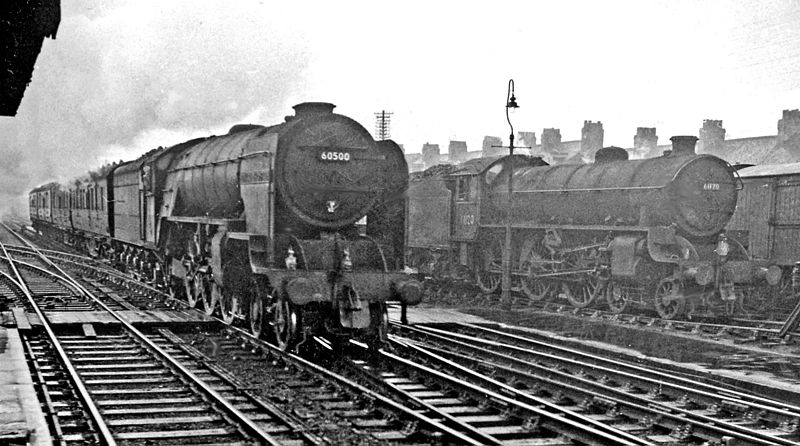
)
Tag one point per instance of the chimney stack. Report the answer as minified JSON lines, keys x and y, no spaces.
{"x":789,"y":124}
{"x":683,"y":145}
{"x":645,"y":141}
{"x":457,"y":151}
{"x":430,"y":154}
{"x":712,"y":137}
{"x":591,"y":138}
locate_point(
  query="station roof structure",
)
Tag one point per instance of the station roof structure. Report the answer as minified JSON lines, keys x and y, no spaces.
{"x":24,"y":24}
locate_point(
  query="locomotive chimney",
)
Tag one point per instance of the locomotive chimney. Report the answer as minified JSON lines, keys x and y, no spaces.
{"x":610,"y":154}
{"x":307,"y":109}
{"x":683,"y":145}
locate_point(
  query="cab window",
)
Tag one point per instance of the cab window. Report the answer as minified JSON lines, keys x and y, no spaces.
{"x":464,"y":188}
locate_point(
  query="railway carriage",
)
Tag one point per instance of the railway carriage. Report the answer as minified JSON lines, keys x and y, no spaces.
{"x":768,"y":212}
{"x":767,"y":221}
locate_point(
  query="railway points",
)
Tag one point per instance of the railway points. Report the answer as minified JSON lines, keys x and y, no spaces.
{"x":202,"y":344}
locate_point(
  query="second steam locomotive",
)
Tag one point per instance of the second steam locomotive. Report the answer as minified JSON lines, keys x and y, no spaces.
{"x":296,"y":226}
{"x":648,"y":233}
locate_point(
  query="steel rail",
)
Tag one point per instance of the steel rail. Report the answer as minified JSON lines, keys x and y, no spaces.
{"x":428,"y":421}
{"x":68,"y":283}
{"x":458,"y":436}
{"x":660,"y":377}
{"x":561,"y":421}
{"x":219,"y":400}
{"x":86,"y":398}
{"x":722,"y":428}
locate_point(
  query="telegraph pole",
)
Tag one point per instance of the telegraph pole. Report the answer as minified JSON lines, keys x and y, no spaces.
{"x":383,"y":121}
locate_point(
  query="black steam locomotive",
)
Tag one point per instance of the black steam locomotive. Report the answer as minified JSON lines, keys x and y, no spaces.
{"x":298,"y":224}
{"x":648,"y":233}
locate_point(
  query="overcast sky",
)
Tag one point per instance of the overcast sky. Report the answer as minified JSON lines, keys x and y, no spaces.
{"x":125,"y":76}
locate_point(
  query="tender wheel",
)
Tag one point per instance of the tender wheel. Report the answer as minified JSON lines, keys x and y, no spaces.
{"x":286,"y":324}
{"x":669,"y":299}
{"x":230,"y":306}
{"x":616,"y":298}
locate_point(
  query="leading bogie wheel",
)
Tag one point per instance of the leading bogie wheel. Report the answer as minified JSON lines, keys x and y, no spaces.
{"x":176,"y":289}
{"x":616,"y":298}
{"x":256,"y":314}
{"x":489,"y":267}
{"x":286,"y":323}
{"x":189,"y":288}
{"x":488,"y":281}
{"x":259,"y":298}
{"x":198,"y":288}
{"x":379,"y":325}
{"x":669,"y":300}
{"x":211,"y":297}
{"x":229,"y":305}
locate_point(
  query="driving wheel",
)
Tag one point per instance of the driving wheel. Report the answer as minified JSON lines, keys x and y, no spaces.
{"x":583,"y":293}
{"x":669,"y":299}
{"x":536,"y":289}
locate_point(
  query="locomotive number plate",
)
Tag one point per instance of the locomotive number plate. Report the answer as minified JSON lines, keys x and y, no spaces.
{"x":335,"y":156}
{"x":711,"y":186}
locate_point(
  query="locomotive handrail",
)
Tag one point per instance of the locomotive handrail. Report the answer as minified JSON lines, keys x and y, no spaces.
{"x":739,"y":181}
{"x":220,"y":162}
{"x":592,"y":189}
{"x":301,"y":250}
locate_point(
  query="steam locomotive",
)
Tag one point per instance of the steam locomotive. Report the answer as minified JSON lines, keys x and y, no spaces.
{"x":299,"y":224}
{"x":646,"y":233}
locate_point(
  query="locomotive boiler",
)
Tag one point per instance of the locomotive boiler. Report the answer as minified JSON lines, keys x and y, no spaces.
{"x":300,"y":221}
{"x":295,"y":228}
{"x":646,"y":232}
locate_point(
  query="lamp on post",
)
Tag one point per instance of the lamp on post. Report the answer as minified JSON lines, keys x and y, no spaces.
{"x":505,"y":296}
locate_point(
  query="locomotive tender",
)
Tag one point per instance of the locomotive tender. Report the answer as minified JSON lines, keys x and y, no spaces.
{"x":632,"y":232}
{"x":298,"y":226}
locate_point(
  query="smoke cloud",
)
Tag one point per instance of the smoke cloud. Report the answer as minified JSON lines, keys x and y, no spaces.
{"x":126,"y":76}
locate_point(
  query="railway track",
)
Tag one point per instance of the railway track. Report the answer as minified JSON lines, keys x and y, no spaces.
{"x":670,"y":407}
{"x":105,"y":396}
{"x":760,"y":331}
{"x":479,"y":409}
{"x":446,"y":400}
{"x":123,"y":385}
